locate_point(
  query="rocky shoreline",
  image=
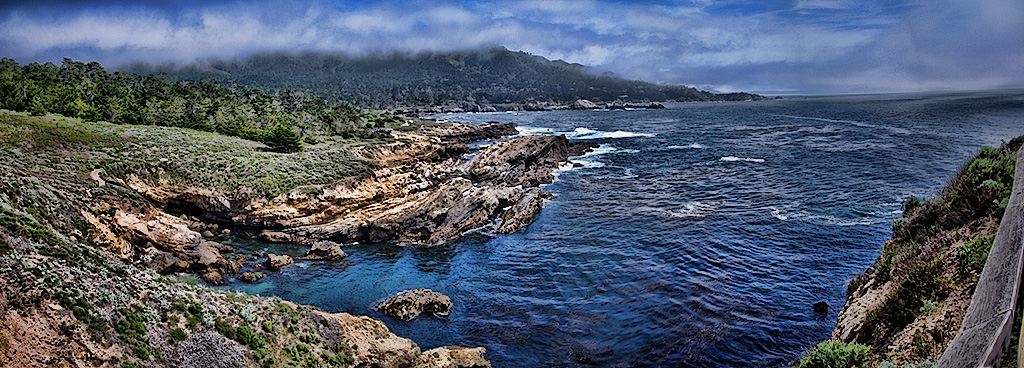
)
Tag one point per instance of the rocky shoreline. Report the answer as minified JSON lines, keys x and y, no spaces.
{"x":423,"y":189}
{"x":422,"y":193}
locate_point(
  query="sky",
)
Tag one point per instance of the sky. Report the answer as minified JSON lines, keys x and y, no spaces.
{"x":775,"y":47}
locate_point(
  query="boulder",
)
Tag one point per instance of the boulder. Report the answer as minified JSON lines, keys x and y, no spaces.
{"x":325,"y":251}
{"x":410,"y":304}
{"x":523,"y":212}
{"x":275,"y":262}
{"x":250,"y":277}
{"x":164,"y":262}
{"x":454,"y":357}
{"x":527,"y":161}
{"x":168,"y":232}
{"x":213,"y":278}
{"x":584,"y":105}
{"x":208,"y":254}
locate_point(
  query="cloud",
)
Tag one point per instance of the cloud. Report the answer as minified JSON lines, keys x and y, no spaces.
{"x":806,"y":46}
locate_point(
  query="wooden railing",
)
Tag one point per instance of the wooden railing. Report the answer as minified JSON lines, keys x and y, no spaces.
{"x":988,"y":324}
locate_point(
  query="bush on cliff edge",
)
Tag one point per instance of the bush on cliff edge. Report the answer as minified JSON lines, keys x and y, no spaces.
{"x":834,"y":354}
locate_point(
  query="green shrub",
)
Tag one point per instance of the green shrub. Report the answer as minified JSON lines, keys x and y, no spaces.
{"x":982,"y":183}
{"x":281,"y":138}
{"x":903,"y":305}
{"x":973,"y":255}
{"x":225,"y":329}
{"x":309,"y":339}
{"x":249,"y":338}
{"x":178,"y":335}
{"x":834,"y":354}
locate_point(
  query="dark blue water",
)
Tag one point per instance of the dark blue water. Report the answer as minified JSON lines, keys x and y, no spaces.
{"x":700,"y":235}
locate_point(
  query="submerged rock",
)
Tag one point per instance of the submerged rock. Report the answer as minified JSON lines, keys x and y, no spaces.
{"x":410,"y":304}
{"x":325,"y":251}
{"x":820,"y":307}
{"x":276,"y":262}
{"x":250,"y":277}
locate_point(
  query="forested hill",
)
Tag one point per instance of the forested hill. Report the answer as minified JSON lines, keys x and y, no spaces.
{"x":490,"y":77}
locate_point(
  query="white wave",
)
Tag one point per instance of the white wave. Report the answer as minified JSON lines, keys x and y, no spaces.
{"x":853,"y":122}
{"x":690,"y":146}
{"x":528,"y":130}
{"x":584,"y":133}
{"x":776,"y":213}
{"x":825,"y":119}
{"x":695,"y":209}
{"x":747,"y":159}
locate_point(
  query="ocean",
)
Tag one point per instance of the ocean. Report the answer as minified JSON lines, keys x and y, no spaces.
{"x":700,"y":235}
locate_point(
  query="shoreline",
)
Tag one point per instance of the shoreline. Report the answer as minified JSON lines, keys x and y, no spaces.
{"x":141,"y":221}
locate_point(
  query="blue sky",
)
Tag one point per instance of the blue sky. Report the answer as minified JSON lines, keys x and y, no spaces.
{"x":764,"y":46}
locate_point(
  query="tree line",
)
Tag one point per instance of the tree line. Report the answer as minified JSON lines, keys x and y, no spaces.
{"x":280,"y":120}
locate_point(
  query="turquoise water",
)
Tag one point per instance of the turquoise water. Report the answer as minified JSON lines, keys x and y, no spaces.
{"x":698,"y":236}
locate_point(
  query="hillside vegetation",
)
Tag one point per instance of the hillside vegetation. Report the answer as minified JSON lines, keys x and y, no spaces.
{"x":87,"y":91}
{"x":495,"y":77}
{"x":908,"y":306}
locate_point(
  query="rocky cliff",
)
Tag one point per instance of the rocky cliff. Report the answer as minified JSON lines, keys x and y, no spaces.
{"x":909,"y":305}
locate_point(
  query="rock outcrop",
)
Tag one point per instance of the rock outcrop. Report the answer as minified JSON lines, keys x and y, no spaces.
{"x":419,"y":195}
{"x":325,"y":251}
{"x":455,"y":357}
{"x":410,"y":304}
{"x":276,"y":262}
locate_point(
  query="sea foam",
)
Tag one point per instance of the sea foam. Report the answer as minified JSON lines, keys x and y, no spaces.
{"x":746,"y":159}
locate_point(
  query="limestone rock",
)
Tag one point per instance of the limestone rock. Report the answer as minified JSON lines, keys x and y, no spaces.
{"x":454,"y":357}
{"x":276,"y":262}
{"x":166,"y":231}
{"x":410,"y":304}
{"x":326,"y":251}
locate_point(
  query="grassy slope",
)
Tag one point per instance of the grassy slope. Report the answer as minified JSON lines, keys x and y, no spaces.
{"x":63,"y":300}
{"x":927,"y":271}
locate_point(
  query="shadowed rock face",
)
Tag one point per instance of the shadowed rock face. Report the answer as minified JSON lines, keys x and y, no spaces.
{"x":410,"y":304}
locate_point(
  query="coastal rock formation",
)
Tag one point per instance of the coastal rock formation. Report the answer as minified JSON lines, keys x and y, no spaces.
{"x":584,"y":105}
{"x":373,"y":345}
{"x":423,"y":192}
{"x":455,"y":357}
{"x":250,"y":277}
{"x":325,"y":251}
{"x":277,"y":262}
{"x":419,"y":195}
{"x":166,"y":232}
{"x":523,"y":212}
{"x":528,"y":161}
{"x":410,"y":304}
